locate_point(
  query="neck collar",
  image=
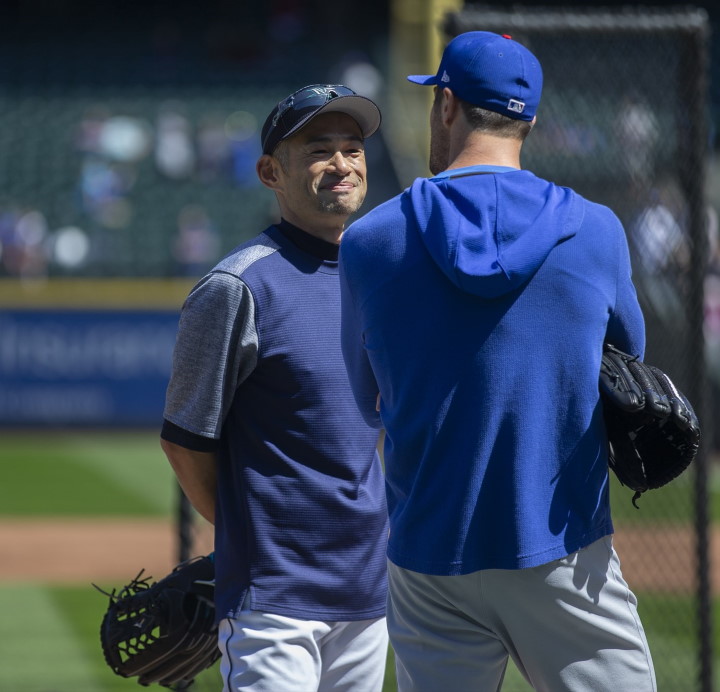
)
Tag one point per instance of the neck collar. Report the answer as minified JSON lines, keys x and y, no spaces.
{"x":472,"y":170}
{"x":312,"y":245}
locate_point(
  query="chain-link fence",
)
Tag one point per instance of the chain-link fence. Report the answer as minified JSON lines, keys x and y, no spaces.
{"x":623,"y":121}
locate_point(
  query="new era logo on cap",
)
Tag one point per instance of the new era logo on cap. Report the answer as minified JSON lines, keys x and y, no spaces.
{"x":445,"y":77}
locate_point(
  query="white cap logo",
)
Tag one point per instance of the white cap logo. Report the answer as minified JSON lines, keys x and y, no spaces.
{"x":445,"y":76}
{"x":515,"y":106}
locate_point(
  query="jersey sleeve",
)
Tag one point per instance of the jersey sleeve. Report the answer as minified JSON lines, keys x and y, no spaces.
{"x":215,"y":351}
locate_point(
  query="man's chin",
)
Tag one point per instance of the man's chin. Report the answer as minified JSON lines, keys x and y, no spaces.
{"x":341,"y":206}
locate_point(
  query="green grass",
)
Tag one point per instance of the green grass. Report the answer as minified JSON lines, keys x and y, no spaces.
{"x":672,"y":504}
{"x":90,"y":474}
{"x":99,"y":474}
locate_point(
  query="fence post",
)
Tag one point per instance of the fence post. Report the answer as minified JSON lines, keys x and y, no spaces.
{"x":185,"y":523}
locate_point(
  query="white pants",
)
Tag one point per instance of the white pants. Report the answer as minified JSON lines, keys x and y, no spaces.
{"x":571,"y":624}
{"x":263,"y":652}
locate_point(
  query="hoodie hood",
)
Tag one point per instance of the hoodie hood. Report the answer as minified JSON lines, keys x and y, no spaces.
{"x":489,"y":229}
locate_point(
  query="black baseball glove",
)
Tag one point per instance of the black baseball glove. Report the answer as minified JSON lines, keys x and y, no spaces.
{"x":652,"y":429}
{"x":163,"y":632}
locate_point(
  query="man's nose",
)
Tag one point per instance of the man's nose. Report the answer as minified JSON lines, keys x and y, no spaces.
{"x":340,"y":163}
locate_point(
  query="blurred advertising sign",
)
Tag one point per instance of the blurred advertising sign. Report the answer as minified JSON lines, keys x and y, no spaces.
{"x":87,"y":352}
{"x":85,"y":367}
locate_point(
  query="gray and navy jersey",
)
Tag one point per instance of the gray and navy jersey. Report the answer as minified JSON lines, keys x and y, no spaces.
{"x":258,"y":372}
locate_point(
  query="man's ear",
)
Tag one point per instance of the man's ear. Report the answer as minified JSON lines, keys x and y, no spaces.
{"x":268,"y":171}
{"x":449,"y":107}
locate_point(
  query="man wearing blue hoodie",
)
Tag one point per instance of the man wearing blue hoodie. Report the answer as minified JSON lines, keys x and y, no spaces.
{"x":475,"y":308}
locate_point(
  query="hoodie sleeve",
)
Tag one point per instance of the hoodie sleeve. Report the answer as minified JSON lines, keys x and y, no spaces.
{"x":626,"y":326}
{"x":362,"y":379}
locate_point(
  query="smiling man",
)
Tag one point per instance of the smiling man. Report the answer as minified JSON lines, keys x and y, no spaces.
{"x":262,"y":429}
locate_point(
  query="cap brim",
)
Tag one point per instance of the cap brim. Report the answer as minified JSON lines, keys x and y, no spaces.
{"x":361,"y":109}
{"x":424,"y":79}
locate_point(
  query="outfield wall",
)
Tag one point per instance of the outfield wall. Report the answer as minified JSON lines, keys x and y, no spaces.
{"x":86,"y":352}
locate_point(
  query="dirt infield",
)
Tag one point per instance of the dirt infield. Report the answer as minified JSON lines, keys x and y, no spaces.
{"x":101,"y":551}
{"x":663,"y":560}
{"x":110,"y":552}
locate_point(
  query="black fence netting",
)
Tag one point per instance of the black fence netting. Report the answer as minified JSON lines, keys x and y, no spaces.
{"x":623,"y":121}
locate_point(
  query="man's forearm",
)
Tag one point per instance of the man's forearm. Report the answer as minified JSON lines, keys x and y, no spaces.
{"x":196,"y":473}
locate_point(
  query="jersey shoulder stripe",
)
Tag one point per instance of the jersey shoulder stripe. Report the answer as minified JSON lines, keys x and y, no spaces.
{"x":245,"y":255}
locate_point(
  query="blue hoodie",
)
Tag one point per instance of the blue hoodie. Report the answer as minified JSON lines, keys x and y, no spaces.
{"x":477,"y":303}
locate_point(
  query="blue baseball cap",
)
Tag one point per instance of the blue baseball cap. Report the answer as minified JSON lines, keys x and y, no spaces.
{"x":491,"y":71}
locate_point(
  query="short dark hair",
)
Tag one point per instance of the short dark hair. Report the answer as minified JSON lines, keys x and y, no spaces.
{"x":282,"y":154}
{"x":493,"y":123}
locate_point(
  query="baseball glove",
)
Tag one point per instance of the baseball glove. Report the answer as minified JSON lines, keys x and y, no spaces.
{"x":163,"y":632}
{"x":652,"y":429}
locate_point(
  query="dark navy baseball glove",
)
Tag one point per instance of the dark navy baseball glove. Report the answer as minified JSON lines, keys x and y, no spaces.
{"x":163,"y":632}
{"x":652,"y":429}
